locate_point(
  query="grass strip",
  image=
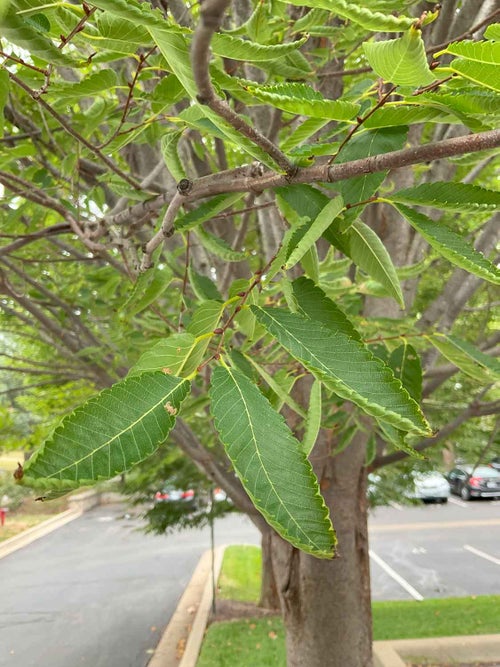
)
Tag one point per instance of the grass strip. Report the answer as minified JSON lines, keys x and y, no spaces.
{"x":261,"y":642}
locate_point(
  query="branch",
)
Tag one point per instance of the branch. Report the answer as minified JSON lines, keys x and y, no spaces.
{"x":474,"y":409}
{"x":211,"y":13}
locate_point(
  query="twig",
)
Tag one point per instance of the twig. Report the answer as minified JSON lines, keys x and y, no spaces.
{"x":70,"y":130}
{"x":211,"y":13}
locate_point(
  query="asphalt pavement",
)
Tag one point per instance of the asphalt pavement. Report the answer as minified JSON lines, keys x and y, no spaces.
{"x":99,"y":592}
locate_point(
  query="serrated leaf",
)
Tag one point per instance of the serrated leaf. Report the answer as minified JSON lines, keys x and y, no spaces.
{"x":139,"y":13}
{"x":466,"y":357}
{"x":169,"y":355}
{"x":270,"y":463}
{"x":282,"y":393}
{"x":299,"y":98}
{"x":493,"y":32}
{"x":346,"y":365}
{"x":236,"y":48}
{"x":300,"y":244}
{"x":206,"y":211}
{"x":219,"y":247}
{"x":204,"y":288}
{"x":449,"y":196}
{"x":405,"y":114}
{"x":483,"y":52}
{"x":451,"y":245}
{"x":484,"y":74}
{"x":16,"y":30}
{"x":119,"y":34}
{"x":168,"y":145}
{"x":314,"y":303}
{"x":147,"y":288}
{"x":313,"y":419}
{"x":112,"y":432}
{"x":375,"y":21}
{"x":301,"y":133}
{"x":397,"y":439}
{"x":366,"y":249}
{"x":402,"y":61}
{"x":405,"y":364}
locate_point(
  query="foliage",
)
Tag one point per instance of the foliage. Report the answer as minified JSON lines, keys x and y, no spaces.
{"x":262,"y":222}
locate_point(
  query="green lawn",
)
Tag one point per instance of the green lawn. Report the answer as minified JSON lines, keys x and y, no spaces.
{"x":260,"y":642}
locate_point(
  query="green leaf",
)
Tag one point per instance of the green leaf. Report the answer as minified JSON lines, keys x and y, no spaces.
{"x":299,"y":98}
{"x":313,"y":419}
{"x":204,"y":288}
{"x":206,"y":211}
{"x":276,"y":387}
{"x":299,"y":246}
{"x":346,"y":365}
{"x":375,"y":21}
{"x":219,"y":247}
{"x":405,"y":114}
{"x":119,"y":34}
{"x":245,"y":50}
{"x":112,"y":432}
{"x":467,"y":358}
{"x":483,"y":52}
{"x":139,"y":13}
{"x":402,"y":61}
{"x":148,"y":287}
{"x":449,"y":196}
{"x":452,"y":246}
{"x":270,"y":463}
{"x":169,"y":142}
{"x":89,"y":86}
{"x":303,"y":132}
{"x":482,"y":73}
{"x":405,"y":364}
{"x":493,"y":32}
{"x":169,"y":355}
{"x":16,"y":30}
{"x":314,"y":303}
{"x":366,"y":249}
{"x":375,"y":142}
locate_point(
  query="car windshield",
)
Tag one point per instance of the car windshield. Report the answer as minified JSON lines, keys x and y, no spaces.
{"x":482,"y":471}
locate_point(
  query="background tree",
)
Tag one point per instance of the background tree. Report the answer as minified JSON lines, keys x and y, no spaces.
{"x":268,"y":215}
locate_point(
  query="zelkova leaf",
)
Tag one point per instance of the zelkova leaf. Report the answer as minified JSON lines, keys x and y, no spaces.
{"x":484,"y":74}
{"x":299,"y":98}
{"x":405,"y":364}
{"x":493,"y":32}
{"x":219,"y":246}
{"x":314,"y":303}
{"x":16,"y":30}
{"x":206,"y":211}
{"x":449,"y":196}
{"x":245,"y":50}
{"x":346,"y":366}
{"x":89,"y":86}
{"x":451,"y":245}
{"x":314,"y":231}
{"x":110,"y":433}
{"x":169,"y":355}
{"x":270,"y":463}
{"x":313,"y":419}
{"x":466,"y":357}
{"x":483,"y":52}
{"x":402,"y":61}
{"x":375,"y":21}
{"x":365,"y":248}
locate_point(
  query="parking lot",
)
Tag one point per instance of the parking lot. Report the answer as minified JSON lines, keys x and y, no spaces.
{"x":431,"y":551}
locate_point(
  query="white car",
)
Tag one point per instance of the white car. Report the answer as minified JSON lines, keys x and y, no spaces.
{"x":431,"y":487}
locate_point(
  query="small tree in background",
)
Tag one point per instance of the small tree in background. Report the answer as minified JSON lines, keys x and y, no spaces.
{"x":271,"y":224}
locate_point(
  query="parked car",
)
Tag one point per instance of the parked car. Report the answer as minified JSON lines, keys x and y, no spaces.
{"x":495,"y":463}
{"x":170,"y":494}
{"x":469,"y":482}
{"x":430,"y":487}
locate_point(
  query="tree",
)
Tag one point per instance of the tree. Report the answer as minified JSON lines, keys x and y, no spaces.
{"x":226,"y":216}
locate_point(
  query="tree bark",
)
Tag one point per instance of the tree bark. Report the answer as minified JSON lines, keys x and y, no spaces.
{"x":269,"y":598}
{"x":326,"y":604}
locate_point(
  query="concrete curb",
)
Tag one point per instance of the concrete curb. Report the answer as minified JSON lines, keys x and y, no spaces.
{"x":26,"y":537}
{"x":181,"y":642}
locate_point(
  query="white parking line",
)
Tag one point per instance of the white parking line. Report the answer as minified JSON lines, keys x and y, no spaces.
{"x":467,"y":547}
{"x":394,"y":575}
{"x":460,"y":503}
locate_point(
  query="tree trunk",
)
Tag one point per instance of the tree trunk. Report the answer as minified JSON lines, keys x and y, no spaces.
{"x":269,"y":598}
{"x":326,"y":604}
